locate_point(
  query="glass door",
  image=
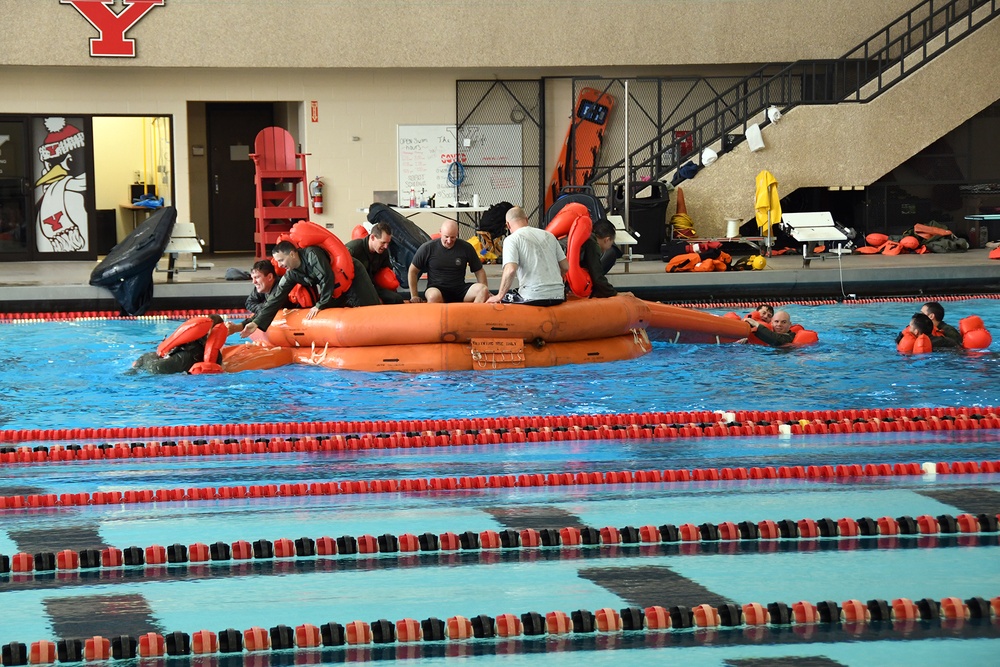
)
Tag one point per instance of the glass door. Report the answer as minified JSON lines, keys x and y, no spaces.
{"x":15,"y":191}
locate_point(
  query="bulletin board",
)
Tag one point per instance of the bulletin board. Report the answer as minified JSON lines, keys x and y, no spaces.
{"x":427,"y":153}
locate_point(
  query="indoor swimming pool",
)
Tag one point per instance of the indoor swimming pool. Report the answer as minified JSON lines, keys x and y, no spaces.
{"x":506,"y":534}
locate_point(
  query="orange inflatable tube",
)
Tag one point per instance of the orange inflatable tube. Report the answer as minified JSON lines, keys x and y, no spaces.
{"x":685,"y":325}
{"x":459,"y":322}
{"x":573,"y":220}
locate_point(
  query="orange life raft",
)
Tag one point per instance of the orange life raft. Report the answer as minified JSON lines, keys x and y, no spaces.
{"x":469,"y":336}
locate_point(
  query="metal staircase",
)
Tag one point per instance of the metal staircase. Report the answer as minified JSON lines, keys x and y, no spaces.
{"x":859,"y":76}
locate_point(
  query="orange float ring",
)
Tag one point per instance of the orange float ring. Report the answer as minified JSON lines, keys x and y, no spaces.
{"x":573,"y":221}
{"x":193,"y":329}
{"x":307,"y":233}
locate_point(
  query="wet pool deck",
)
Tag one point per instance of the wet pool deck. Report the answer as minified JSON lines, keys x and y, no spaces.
{"x":63,"y":286}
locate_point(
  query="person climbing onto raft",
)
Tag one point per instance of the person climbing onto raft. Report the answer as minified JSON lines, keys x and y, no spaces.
{"x":373,"y":253}
{"x":311,"y":266}
{"x":195,"y":345}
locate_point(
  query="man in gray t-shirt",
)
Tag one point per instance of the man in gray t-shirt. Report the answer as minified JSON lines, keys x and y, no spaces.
{"x":536,"y":258}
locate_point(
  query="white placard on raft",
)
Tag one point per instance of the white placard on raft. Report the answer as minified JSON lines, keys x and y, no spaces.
{"x":489,"y":155}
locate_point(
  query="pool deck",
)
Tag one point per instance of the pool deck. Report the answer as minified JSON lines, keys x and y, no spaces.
{"x":63,"y":286}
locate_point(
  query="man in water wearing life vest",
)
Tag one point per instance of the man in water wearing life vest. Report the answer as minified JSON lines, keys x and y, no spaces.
{"x":310,"y":266}
{"x":779,"y":334}
{"x":536,"y":258}
{"x":373,"y":253}
{"x":602,"y":238}
{"x":446,"y":260}
{"x":763,"y":313}
{"x":181,"y":358}
{"x":944,"y":335}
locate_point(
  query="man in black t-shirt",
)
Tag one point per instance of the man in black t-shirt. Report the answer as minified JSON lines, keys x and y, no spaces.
{"x":446,"y":260}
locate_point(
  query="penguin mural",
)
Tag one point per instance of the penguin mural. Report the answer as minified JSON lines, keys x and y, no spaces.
{"x":61,"y":225}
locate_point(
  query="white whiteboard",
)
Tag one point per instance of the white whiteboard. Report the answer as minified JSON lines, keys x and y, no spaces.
{"x":493,"y":159}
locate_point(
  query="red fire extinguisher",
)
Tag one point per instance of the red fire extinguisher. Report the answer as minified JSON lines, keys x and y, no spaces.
{"x":316,"y":192}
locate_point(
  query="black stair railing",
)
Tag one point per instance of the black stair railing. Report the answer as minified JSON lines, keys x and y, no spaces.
{"x":859,"y":76}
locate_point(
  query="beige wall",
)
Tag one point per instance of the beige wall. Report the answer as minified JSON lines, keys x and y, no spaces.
{"x":452,"y":33}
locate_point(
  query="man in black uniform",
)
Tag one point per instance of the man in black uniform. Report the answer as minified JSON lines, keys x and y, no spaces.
{"x":445,"y":260}
{"x":944,"y":335}
{"x":602,"y":238}
{"x":373,"y":253}
{"x":310,"y":266}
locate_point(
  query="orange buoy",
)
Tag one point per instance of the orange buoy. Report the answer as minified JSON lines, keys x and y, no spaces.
{"x":359,"y":632}
{"x":508,"y":625}
{"x":408,"y":630}
{"x":151,"y":645}
{"x":805,"y":612}
{"x":204,"y":642}
{"x":754,"y":613}
{"x":608,"y":620}
{"x":706,"y":616}
{"x":42,"y":653}
{"x":904,"y":609}
{"x":459,"y":627}
{"x":657,"y":618}
{"x":558,"y":623}
{"x":97,"y":648}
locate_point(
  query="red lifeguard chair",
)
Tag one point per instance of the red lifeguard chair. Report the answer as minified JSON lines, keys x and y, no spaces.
{"x":280,"y":174}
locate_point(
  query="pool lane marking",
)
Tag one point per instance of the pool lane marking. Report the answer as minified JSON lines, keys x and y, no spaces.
{"x":492,"y":430}
{"x":967,"y":500}
{"x":538,"y":517}
{"x":648,"y":585}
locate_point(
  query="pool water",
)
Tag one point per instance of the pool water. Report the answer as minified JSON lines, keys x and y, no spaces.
{"x":60,"y":375}
{"x":75,"y":374}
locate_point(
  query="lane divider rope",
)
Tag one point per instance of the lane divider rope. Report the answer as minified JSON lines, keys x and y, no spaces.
{"x":853,"y":616}
{"x":765,"y":531}
{"x":468,"y":430}
{"x":525,"y":480}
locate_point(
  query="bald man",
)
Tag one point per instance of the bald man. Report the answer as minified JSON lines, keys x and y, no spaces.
{"x":535,"y":257}
{"x":779,"y":334}
{"x":445,"y":260}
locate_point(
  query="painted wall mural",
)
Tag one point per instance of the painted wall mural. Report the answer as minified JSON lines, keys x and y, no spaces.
{"x":61,"y":185}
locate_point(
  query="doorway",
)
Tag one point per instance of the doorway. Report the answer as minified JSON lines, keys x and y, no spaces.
{"x":231,"y":129}
{"x":15,"y":203}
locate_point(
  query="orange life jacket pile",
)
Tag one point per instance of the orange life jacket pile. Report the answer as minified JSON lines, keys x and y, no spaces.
{"x":915,"y":242}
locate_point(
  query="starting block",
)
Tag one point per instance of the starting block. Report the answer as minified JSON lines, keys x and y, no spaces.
{"x":817,"y":227}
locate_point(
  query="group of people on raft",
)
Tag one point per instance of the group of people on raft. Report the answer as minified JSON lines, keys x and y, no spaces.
{"x":313,"y":269}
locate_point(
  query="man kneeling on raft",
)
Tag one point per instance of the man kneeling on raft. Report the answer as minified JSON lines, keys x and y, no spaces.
{"x":310,"y":266}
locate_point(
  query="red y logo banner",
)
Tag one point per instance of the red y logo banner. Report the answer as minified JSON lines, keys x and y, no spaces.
{"x":111,"y":26}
